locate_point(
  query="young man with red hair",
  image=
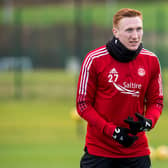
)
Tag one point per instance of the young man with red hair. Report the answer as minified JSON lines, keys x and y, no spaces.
{"x":120,"y":96}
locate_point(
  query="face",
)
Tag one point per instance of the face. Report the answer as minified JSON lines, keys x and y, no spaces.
{"x":129,"y":31}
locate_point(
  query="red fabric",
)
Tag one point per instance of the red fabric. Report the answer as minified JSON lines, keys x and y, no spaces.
{"x":109,"y":91}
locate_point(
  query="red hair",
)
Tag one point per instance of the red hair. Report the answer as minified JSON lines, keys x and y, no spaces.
{"x":125,"y":12}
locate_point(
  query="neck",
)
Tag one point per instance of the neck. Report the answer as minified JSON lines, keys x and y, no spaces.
{"x":119,"y":52}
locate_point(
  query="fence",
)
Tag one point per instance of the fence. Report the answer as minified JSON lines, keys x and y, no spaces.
{"x":50,"y":36}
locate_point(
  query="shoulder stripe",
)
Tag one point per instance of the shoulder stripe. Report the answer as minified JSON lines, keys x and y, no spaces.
{"x":86,"y":66}
{"x":93,"y":54}
{"x":147,"y":52}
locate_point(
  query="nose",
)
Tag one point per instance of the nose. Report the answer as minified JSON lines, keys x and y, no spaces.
{"x":135,"y":34}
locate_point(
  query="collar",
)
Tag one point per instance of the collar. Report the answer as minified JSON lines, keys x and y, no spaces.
{"x":118,"y":51}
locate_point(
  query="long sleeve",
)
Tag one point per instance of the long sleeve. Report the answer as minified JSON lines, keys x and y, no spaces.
{"x":155,"y":95}
{"x":86,"y":93}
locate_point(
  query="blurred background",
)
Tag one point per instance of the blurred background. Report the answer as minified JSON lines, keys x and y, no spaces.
{"x":42,"y":45}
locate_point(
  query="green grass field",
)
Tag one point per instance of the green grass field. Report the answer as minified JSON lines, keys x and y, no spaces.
{"x":36,"y":131}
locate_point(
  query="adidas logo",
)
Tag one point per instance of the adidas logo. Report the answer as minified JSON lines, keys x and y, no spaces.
{"x":113,"y":71}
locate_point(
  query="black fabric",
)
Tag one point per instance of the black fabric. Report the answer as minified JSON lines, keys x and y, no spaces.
{"x":91,"y":161}
{"x":143,"y":124}
{"x":118,"y":51}
{"x":121,"y":135}
{"x":137,"y":162}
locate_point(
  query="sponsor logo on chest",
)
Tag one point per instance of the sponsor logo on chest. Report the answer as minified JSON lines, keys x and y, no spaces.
{"x":129,"y":88}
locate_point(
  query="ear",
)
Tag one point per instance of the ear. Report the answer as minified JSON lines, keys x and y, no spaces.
{"x":115,"y":32}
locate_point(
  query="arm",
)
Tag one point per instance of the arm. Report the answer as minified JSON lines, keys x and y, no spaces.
{"x":86,"y":91}
{"x":154,"y":103}
{"x":154,"y":96}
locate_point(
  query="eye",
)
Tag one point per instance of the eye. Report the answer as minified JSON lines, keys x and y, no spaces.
{"x":139,"y":28}
{"x":129,"y":30}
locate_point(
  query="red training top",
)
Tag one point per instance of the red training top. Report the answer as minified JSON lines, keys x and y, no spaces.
{"x":109,"y":91}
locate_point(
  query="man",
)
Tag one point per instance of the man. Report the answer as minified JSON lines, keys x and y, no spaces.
{"x":120,"y":96}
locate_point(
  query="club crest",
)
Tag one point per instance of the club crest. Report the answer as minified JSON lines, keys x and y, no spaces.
{"x":141,"y":72}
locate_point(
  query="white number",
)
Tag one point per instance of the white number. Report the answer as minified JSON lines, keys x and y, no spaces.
{"x":116,"y":77}
{"x":111,"y":76}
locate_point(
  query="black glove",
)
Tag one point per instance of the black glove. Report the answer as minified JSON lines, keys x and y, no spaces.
{"x":121,"y":136}
{"x":143,"y":124}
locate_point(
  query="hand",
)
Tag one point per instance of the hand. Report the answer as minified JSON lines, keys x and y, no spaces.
{"x":121,"y":136}
{"x":143,"y":124}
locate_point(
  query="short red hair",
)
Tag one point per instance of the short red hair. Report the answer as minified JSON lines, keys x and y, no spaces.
{"x":125,"y":12}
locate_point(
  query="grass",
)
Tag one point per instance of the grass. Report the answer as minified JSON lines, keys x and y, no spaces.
{"x":37,"y":130}
{"x":37,"y":133}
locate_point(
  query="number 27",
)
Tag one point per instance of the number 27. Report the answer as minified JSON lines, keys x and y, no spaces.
{"x":112,"y":77}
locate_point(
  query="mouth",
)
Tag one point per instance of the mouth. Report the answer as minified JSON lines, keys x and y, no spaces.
{"x":134,"y":43}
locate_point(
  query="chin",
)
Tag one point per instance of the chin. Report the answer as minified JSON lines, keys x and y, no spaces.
{"x":133,"y":48}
